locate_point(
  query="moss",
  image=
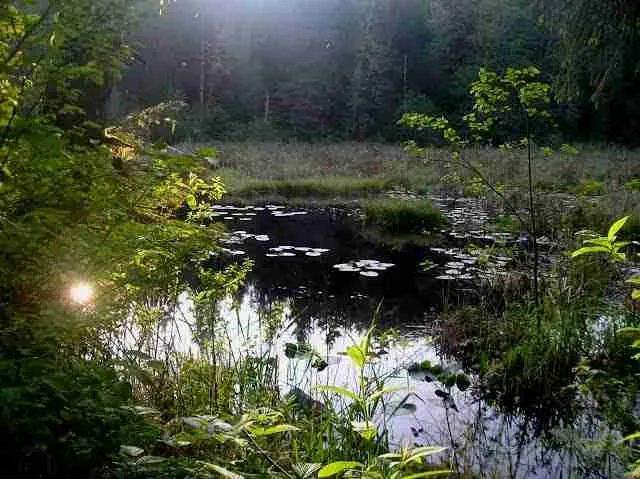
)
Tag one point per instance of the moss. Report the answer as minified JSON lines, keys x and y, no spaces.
{"x":399,"y":216}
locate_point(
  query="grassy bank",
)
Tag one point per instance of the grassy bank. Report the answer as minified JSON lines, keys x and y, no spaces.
{"x":587,"y":188}
{"x":323,"y":187}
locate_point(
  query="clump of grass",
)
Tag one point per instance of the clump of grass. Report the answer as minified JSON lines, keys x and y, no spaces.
{"x":401,"y":216}
{"x":314,"y":187}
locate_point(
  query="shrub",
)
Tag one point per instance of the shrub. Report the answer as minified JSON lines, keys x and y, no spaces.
{"x":399,"y":216}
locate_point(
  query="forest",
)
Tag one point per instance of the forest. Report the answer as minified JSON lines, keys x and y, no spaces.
{"x":295,"y":239}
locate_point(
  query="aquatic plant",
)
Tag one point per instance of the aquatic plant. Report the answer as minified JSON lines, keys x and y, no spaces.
{"x":397,"y":216}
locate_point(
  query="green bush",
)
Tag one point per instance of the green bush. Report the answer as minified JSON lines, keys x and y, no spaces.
{"x":400,"y":216}
{"x":60,"y":418}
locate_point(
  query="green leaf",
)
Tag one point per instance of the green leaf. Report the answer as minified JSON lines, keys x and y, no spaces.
{"x":357,"y":356}
{"x":631,"y":437}
{"x":390,"y":456}
{"x":635,"y":294}
{"x":191,"y":201}
{"x":378,"y":394}
{"x":599,"y":242}
{"x":305,"y":470}
{"x":338,"y":467}
{"x":628,"y":330}
{"x":615,"y":227}
{"x":262,"y":431}
{"x":425,"y":451}
{"x":338,"y":390}
{"x":633,"y":280}
{"x":440,"y":472}
{"x":145,"y":460}
{"x":589,"y":250}
{"x":365,"y":429}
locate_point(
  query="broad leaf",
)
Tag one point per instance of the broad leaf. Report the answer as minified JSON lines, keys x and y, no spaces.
{"x":390,"y":456}
{"x":191,"y":201}
{"x":378,"y":394}
{"x":631,"y":437}
{"x":339,"y":467}
{"x":338,"y":390}
{"x":305,"y":470}
{"x":366,"y":429}
{"x":357,"y":356}
{"x":425,"y":451}
{"x":599,"y":242}
{"x":267,"y":431}
{"x":615,"y":227}
{"x":589,"y":250}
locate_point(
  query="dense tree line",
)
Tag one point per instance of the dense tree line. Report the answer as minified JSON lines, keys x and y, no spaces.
{"x":350,"y":68}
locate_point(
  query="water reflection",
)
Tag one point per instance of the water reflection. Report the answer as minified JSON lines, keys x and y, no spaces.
{"x":295,"y":301}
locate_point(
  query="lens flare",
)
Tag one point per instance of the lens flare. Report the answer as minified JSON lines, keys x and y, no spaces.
{"x":81,"y":293}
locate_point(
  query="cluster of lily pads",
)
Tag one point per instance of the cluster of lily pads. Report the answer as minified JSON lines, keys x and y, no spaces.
{"x":468,"y":218}
{"x":240,"y":236}
{"x":290,"y":251}
{"x":469,"y":265}
{"x":247,"y":213}
{"x":230,"y":212}
{"x":365,"y":267}
{"x":233,"y":252}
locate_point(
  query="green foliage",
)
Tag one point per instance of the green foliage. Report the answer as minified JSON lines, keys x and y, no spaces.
{"x":364,"y":402}
{"x":398,"y":216}
{"x":606,"y":244}
{"x":327,"y":187}
{"x":60,"y":417}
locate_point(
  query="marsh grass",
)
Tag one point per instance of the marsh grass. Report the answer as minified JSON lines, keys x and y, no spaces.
{"x":402,"y":216}
{"x":592,"y":182}
{"x":324,"y":187}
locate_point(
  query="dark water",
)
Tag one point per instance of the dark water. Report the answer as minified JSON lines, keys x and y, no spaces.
{"x":296,"y":289}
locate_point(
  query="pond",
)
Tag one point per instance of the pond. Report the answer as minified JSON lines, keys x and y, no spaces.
{"x":318,"y":279}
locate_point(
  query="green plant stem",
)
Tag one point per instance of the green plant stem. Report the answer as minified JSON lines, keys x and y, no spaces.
{"x":532,"y":216}
{"x":267,"y":457}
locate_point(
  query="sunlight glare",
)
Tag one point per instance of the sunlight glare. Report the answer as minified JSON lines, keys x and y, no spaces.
{"x":81,"y":293}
